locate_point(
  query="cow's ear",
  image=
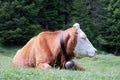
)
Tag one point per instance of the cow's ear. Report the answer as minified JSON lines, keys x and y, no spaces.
{"x":76,"y":25}
{"x":72,"y":40}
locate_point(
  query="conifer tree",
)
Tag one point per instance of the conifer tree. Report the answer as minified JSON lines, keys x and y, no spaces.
{"x":48,"y":14}
{"x":55,"y":14}
{"x":80,"y":14}
{"x":18,"y":21}
{"x":110,"y":27}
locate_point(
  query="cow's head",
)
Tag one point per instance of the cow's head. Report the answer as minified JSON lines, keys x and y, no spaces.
{"x":83,"y":46}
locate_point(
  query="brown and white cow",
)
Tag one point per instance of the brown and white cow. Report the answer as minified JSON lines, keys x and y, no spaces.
{"x":44,"y":50}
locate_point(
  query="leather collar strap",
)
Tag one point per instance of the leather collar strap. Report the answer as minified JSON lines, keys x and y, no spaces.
{"x":63,"y":46}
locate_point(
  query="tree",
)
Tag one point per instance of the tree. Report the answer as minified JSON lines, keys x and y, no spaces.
{"x":18,"y":21}
{"x":109,"y":36}
{"x":22,"y":19}
{"x":80,"y":14}
{"x":55,"y":14}
{"x":48,"y":14}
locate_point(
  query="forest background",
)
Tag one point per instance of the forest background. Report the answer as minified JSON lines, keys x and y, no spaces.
{"x":99,"y":19}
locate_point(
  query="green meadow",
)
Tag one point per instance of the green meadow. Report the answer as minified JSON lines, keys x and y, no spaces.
{"x":100,"y":67}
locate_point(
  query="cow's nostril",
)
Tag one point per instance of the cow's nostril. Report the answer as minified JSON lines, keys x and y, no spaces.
{"x":95,"y":51}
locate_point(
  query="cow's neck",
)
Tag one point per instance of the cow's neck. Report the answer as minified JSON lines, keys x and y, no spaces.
{"x":63,"y":46}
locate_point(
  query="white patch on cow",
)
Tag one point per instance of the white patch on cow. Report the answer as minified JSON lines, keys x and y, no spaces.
{"x":83,"y":46}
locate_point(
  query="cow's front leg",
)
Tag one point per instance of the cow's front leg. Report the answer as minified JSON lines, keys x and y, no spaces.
{"x":43,"y":66}
{"x":78,"y":67}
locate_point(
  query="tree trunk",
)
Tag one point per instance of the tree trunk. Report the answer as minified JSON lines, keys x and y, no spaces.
{"x":46,"y":25}
{"x":116,"y":51}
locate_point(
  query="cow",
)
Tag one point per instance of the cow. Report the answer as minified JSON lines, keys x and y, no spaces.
{"x":55,"y":49}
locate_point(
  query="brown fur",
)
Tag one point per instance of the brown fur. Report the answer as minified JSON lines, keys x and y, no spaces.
{"x":44,"y":50}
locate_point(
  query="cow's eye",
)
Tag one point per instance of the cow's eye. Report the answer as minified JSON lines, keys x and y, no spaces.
{"x":83,"y":37}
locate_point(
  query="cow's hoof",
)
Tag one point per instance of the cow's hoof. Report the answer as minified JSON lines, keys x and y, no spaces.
{"x":82,"y":69}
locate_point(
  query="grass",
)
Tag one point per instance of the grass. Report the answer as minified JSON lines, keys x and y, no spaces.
{"x":101,"y":67}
